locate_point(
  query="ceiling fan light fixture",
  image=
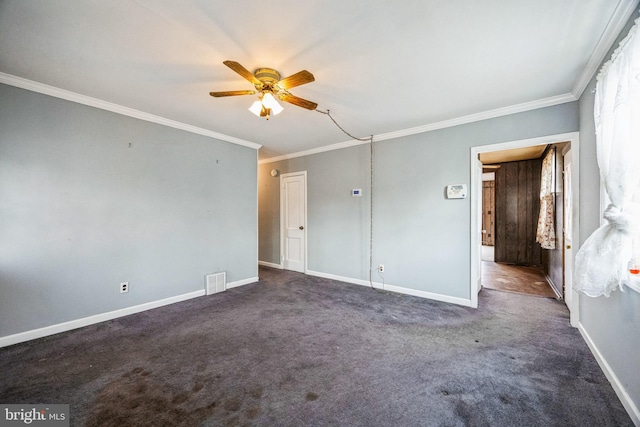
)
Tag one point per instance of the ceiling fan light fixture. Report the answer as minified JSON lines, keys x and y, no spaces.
{"x":256,"y":108}
{"x":276,"y":109}
{"x":269,"y":86}
{"x":266,"y":106}
{"x":270,"y":102}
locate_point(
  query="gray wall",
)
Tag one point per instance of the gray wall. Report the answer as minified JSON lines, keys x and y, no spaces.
{"x":89,"y":199}
{"x":338,"y":224}
{"x":613,"y":323}
{"x":422,"y":238}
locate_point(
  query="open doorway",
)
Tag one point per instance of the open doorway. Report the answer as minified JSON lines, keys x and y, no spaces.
{"x":486,"y":160}
{"x":512,"y":259}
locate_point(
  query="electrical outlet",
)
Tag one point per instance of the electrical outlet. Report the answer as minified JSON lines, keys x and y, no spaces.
{"x":381,"y":268}
{"x":124,"y":287}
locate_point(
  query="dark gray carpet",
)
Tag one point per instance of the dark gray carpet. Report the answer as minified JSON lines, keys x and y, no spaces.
{"x":294,"y":350}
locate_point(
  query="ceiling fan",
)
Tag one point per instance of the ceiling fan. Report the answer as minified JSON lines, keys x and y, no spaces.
{"x":270,"y":86}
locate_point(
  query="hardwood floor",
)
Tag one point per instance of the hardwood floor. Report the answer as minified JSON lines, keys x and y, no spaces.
{"x":517,"y":279}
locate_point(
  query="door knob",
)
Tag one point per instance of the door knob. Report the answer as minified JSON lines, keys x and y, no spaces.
{"x":568,"y":246}
{"x":301,"y":228}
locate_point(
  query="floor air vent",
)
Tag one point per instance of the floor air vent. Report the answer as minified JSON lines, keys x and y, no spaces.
{"x":216,"y":282}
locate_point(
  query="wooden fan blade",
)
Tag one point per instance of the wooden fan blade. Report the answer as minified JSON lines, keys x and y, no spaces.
{"x":297,"y":79}
{"x":242,"y":71}
{"x":287,"y":97}
{"x":232,"y":93}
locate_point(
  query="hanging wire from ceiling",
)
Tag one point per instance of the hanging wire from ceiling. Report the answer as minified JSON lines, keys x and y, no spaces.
{"x":370,"y":140}
{"x":328,"y":113}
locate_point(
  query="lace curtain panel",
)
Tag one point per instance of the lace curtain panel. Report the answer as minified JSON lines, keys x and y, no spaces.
{"x":601,"y":262}
{"x":546,"y":234}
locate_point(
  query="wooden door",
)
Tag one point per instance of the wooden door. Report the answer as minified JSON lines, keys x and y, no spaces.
{"x":517,"y":205}
{"x":488,"y":212}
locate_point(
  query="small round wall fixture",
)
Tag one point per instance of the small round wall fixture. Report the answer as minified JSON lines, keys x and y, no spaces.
{"x":274,"y":172}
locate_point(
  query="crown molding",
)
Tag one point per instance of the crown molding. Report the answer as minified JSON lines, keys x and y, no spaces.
{"x":332,"y":147}
{"x":490,"y":114}
{"x":618,"y":20}
{"x":119,"y":109}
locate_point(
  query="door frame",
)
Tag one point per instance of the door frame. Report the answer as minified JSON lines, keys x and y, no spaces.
{"x":476,"y":198}
{"x":567,"y":246}
{"x":282,"y":209}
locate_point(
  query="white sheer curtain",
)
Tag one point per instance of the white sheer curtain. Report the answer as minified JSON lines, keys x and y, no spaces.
{"x":601,"y":263}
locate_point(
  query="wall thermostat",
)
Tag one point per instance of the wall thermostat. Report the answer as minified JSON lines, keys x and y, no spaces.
{"x":458,"y":191}
{"x":356,"y":192}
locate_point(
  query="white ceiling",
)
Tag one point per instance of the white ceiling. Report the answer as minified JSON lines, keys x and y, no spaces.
{"x":381,"y":67}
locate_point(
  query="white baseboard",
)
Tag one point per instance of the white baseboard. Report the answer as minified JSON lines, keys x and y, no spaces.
{"x":343,"y":279}
{"x":242,"y":282}
{"x":86,"y":321}
{"x":553,"y":286}
{"x":270,"y":264}
{"x":627,"y":402}
{"x":392,"y":288}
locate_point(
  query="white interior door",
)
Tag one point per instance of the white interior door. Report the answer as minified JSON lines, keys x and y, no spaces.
{"x":293,"y":220}
{"x":568,"y":229}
